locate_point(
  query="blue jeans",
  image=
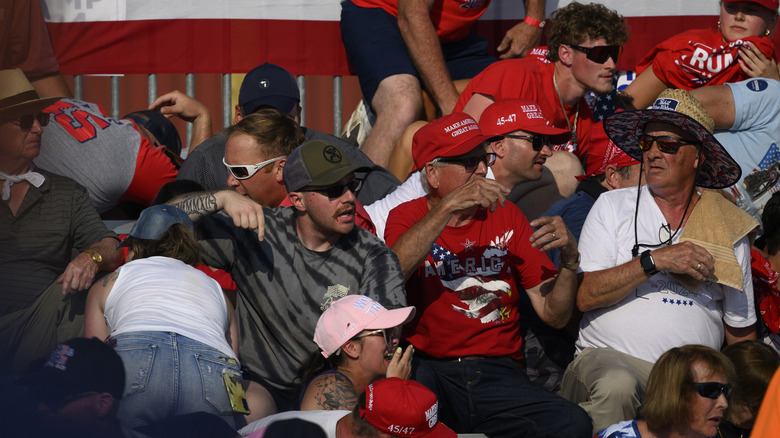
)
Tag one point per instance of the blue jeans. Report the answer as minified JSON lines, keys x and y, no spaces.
{"x":168,"y":374}
{"x":493,"y":396}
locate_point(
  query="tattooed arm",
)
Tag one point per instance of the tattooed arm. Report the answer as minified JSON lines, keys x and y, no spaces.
{"x":329,"y":392}
{"x":94,"y":322}
{"x":245,"y":212}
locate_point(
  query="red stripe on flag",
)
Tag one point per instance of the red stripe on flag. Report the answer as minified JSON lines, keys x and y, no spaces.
{"x":302,"y":47}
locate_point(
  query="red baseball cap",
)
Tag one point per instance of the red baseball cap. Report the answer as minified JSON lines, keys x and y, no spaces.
{"x":403,"y":408}
{"x":505,"y":116}
{"x":448,"y":136}
{"x":604,"y":152}
{"x":769,"y":4}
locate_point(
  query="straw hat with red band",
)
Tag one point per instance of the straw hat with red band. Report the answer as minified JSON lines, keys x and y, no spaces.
{"x":678,"y":108}
{"x":505,"y":116}
{"x":403,"y":408}
{"x":448,"y":136}
{"x":352,"y":314}
{"x":769,"y":4}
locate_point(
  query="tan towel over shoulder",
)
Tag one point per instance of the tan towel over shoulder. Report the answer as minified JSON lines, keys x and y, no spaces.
{"x":716,"y":225}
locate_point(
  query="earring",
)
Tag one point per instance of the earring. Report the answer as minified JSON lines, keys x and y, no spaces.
{"x":767,"y":32}
{"x":718,"y":24}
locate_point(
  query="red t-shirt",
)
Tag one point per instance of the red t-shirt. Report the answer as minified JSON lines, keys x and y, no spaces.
{"x":700,"y":57}
{"x":451,"y":18}
{"x":765,"y":288}
{"x":466,"y":289}
{"x":531,"y":78}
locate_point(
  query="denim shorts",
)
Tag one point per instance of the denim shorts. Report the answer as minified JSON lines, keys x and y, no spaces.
{"x":168,"y":375}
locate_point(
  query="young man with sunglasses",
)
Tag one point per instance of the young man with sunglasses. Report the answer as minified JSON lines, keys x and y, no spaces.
{"x":664,"y":264}
{"x":301,"y":259}
{"x":465,"y":255}
{"x":265,"y":138}
{"x":43,"y":218}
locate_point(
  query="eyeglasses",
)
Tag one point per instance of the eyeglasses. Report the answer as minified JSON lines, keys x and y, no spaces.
{"x":390,"y":335}
{"x":469,"y":163}
{"x":600,"y":54}
{"x":26,"y":121}
{"x":666,"y":143}
{"x":337,"y":190}
{"x":537,"y":141}
{"x":57,"y":401}
{"x":713,"y":390}
{"x":247,"y":171}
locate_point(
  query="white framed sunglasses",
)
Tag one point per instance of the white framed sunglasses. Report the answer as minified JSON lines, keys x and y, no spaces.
{"x":245,"y":171}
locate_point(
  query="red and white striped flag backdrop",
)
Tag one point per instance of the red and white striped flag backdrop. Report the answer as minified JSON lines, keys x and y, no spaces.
{"x":217,"y":36}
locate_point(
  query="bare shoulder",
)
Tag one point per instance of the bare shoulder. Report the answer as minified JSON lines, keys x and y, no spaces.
{"x":332,"y":391}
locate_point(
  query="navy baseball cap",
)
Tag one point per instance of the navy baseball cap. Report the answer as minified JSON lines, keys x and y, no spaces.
{"x":270,"y":85}
{"x":80,"y":365}
{"x":155,"y":220}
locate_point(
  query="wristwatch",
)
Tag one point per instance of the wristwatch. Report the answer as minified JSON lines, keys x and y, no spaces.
{"x":96,"y":257}
{"x":647,"y":262}
{"x":572,"y":266}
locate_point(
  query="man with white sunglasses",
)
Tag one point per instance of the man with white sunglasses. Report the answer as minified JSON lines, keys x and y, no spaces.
{"x":302,"y":258}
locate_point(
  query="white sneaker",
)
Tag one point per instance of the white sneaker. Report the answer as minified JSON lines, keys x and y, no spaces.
{"x":358,"y":125}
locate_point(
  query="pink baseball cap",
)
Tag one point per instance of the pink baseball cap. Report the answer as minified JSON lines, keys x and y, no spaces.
{"x":403,"y":408}
{"x":448,"y":136}
{"x":505,"y":116}
{"x":769,"y":4}
{"x":352,"y":314}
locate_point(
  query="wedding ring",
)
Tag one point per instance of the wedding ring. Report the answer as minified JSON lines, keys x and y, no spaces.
{"x":554,"y":236}
{"x":698,"y":267}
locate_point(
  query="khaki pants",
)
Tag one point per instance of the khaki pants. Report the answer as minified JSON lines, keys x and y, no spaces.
{"x":608,"y":384}
{"x":29,"y":335}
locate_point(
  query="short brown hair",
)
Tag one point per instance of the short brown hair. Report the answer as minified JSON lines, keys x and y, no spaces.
{"x":576,"y":23}
{"x":177,"y":242}
{"x":275,"y":132}
{"x":670,"y":388}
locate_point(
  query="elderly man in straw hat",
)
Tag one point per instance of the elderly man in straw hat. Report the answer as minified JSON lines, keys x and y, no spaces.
{"x":43,"y":218}
{"x":664,"y":264}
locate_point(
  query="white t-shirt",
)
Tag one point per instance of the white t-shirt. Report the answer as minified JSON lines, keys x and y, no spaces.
{"x":659,"y":314}
{"x":325,"y":419}
{"x":411,"y":189}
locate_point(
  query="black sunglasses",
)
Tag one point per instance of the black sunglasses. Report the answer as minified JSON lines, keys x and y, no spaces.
{"x":666,"y":143}
{"x":26,"y":121}
{"x":537,"y":141}
{"x":336,"y":190}
{"x":713,"y":390}
{"x":470,"y":163}
{"x":600,"y":54}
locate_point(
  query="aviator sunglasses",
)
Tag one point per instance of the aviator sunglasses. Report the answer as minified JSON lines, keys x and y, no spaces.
{"x":666,"y":143}
{"x":537,"y":141}
{"x":337,"y":190}
{"x":600,"y":54}
{"x":26,"y":121}
{"x":469,"y":163}
{"x":713,"y":390}
{"x":247,"y":170}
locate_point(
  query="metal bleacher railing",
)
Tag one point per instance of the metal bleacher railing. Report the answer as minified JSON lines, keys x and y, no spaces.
{"x":227,"y":106}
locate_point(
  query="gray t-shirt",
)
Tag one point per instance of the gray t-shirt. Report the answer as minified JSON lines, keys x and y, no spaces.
{"x":204,"y":165}
{"x":98,"y":152}
{"x":283,"y":287}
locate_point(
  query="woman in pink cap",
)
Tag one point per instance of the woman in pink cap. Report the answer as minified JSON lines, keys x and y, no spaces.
{"x":739,"y":49}
{"x":358,"y":339}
